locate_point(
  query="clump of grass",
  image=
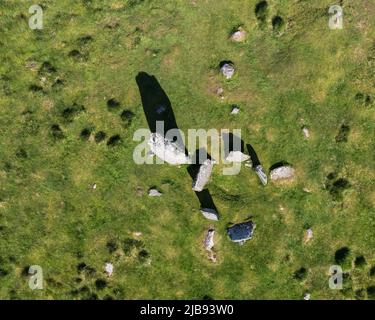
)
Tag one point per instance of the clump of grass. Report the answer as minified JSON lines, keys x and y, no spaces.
{"x":113,"y":104}
{"x":277,"y":23}
{"x":86,"y":133}
{"x":56,"y":132}
{"x":129,"y":244}
{"x":371,"y":292}
{"x":360,"y":262}
{"x":143,"y":255}
{"x":127,"y":117}
{"x":101,"y":284}
{"x":343,"y":134}
{"x":69,"y":113}
{"x":112,"y":246}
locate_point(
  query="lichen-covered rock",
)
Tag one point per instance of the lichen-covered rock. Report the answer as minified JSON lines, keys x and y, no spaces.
{"x":210,"y":214}
{"x":261,"y":174}
{"x":227,"y":70}
{"x":203,"y":176}
{"x":239,"y":35}
{"x":209,"y":240}
{"x":167,"y":150}
{"x":282,"y":173}
{"x":237,"y":156}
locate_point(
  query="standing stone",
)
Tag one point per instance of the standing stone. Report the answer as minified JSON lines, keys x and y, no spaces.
{"x":227,"y":70}
{"x":209,"y":240}
{"x":167,"y":150}
{"x":282,"y":173}
{"x":261,"y":174}
{"x":203,"y":175}
{"x":210,"y":214}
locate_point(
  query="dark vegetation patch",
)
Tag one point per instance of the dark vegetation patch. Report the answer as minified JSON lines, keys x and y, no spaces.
{"x":360,"y":294}
{"x":300,"y":274}
{"x":143,"y":255}
{"x":35,"y":88}
{"x":101,"y":284}
{"x":46,"y":69}
{"x":341,"y":255}
{"x":261,"y":12}
{"x":85,"y":134}
{"x":127,"y":117}
{"x":371,"y":292}
{"x":336,"y":186}
{"x":84,"y":40}
{"x":69,"y":113}
{"x":112,"y":246}
{"x":113,"y":104}
{"x":363,"y":99}
{"x":100,"y":136}
{"x":21,"y":153}
{"x":343,"y":134}
{"x":277,"y":23}
{"x":130,"y":244}
{"x":360,"y":261}
{"x":56,"y":132}
{"x":76,"y":54}
{"x":114,"y":140}
{"x":372,"y":271}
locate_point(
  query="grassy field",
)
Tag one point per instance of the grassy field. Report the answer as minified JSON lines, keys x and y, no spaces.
{"x":61,"y":86}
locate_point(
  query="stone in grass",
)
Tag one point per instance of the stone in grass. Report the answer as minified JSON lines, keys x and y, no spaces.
{"x":261,"y":174}
{"x":306,"y":132}
{"x":283,"y":173}
{"x":209,"y":240}
{"x":237,"y":156}
{"x":309,"y":235}
{"x":306,"y":296}
{"x":241,"y":232}
{"x":167,"y":150}
{"x":210,"y":214}
{"x":239,"y":35}
{"x":108,"y":268}
{"x":203,"y":175}
{"x":154,"y":193}
{"x":227,"y":69}
{"x":235,"y":110}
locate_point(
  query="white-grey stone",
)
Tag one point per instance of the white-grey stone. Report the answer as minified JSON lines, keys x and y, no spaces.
{"x":237,"y":156}
{"x":282,"y":173}
{"x":309,"y":235}
{"x":227,"y":70}
{"x":235,"y":110}
{"x":210,"y":214}
{"x":167,"y":150}
{"x":108,"y":268}
{"x":203,"y":176}
{"x":239,"y":35}
{"x":209,"y":240}
{"x":261,"y":174}
{"x":154,"y":193}
{"x":306,"y":132}
{"x":307,"y":296}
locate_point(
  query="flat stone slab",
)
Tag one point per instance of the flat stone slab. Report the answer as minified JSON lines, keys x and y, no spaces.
{"x":282,"y":173}
{"x":210,"y":214}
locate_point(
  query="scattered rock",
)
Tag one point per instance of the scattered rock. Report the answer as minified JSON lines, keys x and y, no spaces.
{"x":137,"y":234}
{"x":282,"y":173}
{"x":241,"y":232}
{"x":220,"y":91}
{"x":309,"y":235}
{"x":108,"y":268}
{"x":203,"y":175}
{"x":210,"y":214}
{"x":307,"y":296}
{"x":307,"y":190}
{"x":235,"y":110}
{"x":154,"y":193}
{"x":227,"y":70}
{"x":239,"y":35}
{"x":306,"y":132}
{"x":237,"y":156}
{"x":209,"y":240}
{"x":167,"y":150}
{"x":261,"y":174}
{"x":94,"y":186}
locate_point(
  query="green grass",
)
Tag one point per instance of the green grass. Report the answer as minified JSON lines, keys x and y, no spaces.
{"x":89,"y":52}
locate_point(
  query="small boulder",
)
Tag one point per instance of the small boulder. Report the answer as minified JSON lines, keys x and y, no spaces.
{"x":306,"y":132}
{"x":237,"y":156}
{"x":227,"y":70}
{"x":108,"y":268}
{"x":309,"y":235}
{"x":282,"y":173}
{"x":239,"y":35}
{"x":154,"y":193}
{"x":209,"y":240}
{"x":210,"y":214}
